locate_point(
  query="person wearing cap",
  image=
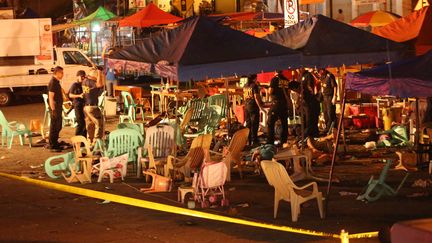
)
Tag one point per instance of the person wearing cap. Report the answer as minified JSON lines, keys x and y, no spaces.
{"x":55,"y":101}
{"x":92,"y":88}
{"x":77,"y":96}
{"x":281,"y":107}
{"x":253,"y":105}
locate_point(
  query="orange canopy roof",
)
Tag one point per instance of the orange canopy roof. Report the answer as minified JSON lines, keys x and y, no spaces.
{"x":149,"y":16}
{"x":416,"y":25}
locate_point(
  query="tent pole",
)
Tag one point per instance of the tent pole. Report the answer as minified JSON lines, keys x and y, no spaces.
{"x":227,"y":106}
{"x":417,"y":132}
{"x":335,"y":148}
{"x":302,"y":128}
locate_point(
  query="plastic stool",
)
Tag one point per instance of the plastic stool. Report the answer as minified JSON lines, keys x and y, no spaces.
{"x":181,"y":193}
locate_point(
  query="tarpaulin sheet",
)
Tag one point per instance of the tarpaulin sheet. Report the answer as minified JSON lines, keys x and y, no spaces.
{"x":201,"y":48}
{"x":149,"y":16}
{"x":327,"y":42}
{"x":417,"y":26}
{"x":409,"y":78}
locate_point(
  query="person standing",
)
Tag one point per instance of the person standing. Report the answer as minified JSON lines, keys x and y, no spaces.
{"x":76,"y":94}
{"x":111,"y":81}
{"x":311,"y":106}
{"x":92,"y":88}
{"x":55,"y":100}
{"x":280,"y":103}
{"x":253,"y":105}
{"x":340,"y":17}
{"x":329,"y":97}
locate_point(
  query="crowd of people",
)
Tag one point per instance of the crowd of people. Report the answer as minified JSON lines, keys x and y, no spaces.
{"x":315,"y":88}
{"x":84,"y":94}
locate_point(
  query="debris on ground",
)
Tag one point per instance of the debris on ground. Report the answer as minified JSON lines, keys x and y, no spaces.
{"x":344,"y":193}
{"x":243,"y":205}
{"x":370,"y":145}
{"x":3,"y":157}
{"x":422,"y":183}
{"x":419,"y":194}
{"x":36,"y":166}
{"x":231,"y":189}
{"x":103,"y":202}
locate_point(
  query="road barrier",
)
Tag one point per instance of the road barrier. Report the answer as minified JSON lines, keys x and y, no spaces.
{"x":343,"y":236}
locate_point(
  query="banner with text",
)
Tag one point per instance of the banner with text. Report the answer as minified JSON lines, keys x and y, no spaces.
{"x":291,"y":13}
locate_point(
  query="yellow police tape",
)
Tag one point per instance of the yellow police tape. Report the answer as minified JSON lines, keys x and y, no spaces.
{"x":176,"y":210}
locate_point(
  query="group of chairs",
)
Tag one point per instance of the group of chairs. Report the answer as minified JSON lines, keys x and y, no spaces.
{"x":153,"y":149}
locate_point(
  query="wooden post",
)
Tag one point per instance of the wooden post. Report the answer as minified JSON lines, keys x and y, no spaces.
{"x":341,"y":116}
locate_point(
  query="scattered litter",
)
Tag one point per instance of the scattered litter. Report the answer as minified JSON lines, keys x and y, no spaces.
{"x":3,"y":157}
{"x":103,"y":202}
{"x":243,"y":205}
{"x":36,"y":166}
{"x":41,"y":177}
{"x":231,"y":189}
{"x":422,"y":183}
{"x":108,"y":188}
{"x":108,"y":229}
{"x":213,"y":206}
{"x":419,"y":194}
{"x":370,"y":145}
{"x":344,"y":193}
{"x":232,"y":211}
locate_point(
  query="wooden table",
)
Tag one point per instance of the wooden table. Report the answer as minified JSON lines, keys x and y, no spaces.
{"x":156,"y":89}
{"x":165,"y":96}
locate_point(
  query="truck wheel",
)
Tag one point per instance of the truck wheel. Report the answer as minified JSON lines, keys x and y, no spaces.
{"x":5,"y":98}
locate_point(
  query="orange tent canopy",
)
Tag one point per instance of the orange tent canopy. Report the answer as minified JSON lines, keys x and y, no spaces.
{"x":416,"y":25}
{"x":374,"y":19}
{"x":149,"y":16}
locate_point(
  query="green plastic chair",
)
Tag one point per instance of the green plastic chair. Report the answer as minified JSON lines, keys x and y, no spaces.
{"x":198,"y":106}
{"x":123,"y":141}
{"x":63,"y":161}
{"x":12,"y":129}
{"x":208,"y":123}
{"x":378,"y":188}
{"x":139,"y":127}
{"x":128,"y":102}
{"x":219,"y":100}
{"x":399,"y":136}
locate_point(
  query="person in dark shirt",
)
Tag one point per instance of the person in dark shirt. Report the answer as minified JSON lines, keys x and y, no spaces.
{"x":55,"y":100}
{"x":253,"y":104}
{"x":76,"y":94}
{"x":280,"y":105}
{"x":310,"y":104}
{"x":329,"y":97}
{"x":92,"y":88}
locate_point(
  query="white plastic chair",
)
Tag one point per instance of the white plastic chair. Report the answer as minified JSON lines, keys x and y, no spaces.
{"x":109,"y":167}
{"x":161,"y":141}
{"x":285,"y":189}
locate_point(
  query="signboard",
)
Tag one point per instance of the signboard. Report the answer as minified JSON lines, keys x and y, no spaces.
{"x":364,"y":2}
{"x":291,"y":13}
{"x":46,"y":41}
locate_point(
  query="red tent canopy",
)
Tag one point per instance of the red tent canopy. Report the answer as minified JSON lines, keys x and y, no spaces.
{"x":416,"y":26}
{"x":148,"y":16}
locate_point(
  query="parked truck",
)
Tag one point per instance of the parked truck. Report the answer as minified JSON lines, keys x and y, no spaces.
{"x":27,"y":58}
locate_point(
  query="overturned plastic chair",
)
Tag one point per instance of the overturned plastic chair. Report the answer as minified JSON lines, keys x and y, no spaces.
{"x":377,"y":188}
{"x":60,"y":163}
{"x":285,"y":189}
{"x":12,"y":129}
